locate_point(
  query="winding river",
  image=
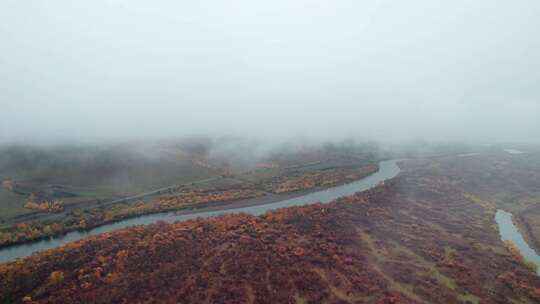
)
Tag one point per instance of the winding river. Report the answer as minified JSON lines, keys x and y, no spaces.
{"x":507,"y":230}
{"x":510,"y":232}
{"x":387,"y":169}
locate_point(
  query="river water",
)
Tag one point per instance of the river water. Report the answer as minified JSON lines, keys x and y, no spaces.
{"x":510,"y":232}
{"x":387,"y":169}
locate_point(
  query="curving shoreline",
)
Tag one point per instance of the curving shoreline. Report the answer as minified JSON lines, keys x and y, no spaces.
{"x":99,"y":217}
{"x":387,"y":169}
{"x":509,"y":231}
{"x":525,"y":230}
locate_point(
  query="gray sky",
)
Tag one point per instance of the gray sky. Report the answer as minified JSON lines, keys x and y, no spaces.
{"x":389,"y":70}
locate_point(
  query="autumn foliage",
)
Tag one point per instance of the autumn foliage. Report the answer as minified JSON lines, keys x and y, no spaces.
{"x":180,"y":199}
{"x":514,"y":251}
{"x":325,"y":178}
{"x":99,"y":216}
{"x":411,"y":240}
{"x":45,"y":206}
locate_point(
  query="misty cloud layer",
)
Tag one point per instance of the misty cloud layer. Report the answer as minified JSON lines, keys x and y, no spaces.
{"x":378,"y":70}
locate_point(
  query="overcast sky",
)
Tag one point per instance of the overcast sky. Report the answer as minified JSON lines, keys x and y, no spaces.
{"x":389,"y":70}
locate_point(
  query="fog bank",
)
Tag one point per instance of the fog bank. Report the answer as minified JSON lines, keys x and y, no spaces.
{"x":109,"y":70}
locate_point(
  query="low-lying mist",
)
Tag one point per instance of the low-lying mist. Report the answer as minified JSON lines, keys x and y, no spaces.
{"x":387,"y":71}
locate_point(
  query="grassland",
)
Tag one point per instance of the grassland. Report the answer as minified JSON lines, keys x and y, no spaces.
{"x":502,"y":180}
{"x":11,"y":204}
{"x":423,"y":237}
{"x":90,"y":174}
{"x":95,"y":187}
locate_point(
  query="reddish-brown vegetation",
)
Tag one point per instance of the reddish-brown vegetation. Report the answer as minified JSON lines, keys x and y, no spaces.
{"x":45,"y":206}
{"x":327,"y":178}
{"x":507,"y":182}
{"x":416,"y":239}
{"x":181,"y":199}
{"x":514,"y":251}
{"x":95,"y":217}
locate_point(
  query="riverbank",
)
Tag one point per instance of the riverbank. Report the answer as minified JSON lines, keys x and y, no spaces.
{"x":525,"y":230}
{"x":386,"y":170}
{"x":188,"y":210}
{"x":196,"y":195}
{"x":269,"y":198}
{"x":515,"y":241}
{"x":414,"y":239}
